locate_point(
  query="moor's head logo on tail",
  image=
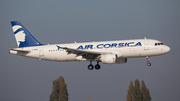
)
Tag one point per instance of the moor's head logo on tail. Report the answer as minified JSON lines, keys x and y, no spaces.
{"x":23,"y":36}
{"x":19,"y":34}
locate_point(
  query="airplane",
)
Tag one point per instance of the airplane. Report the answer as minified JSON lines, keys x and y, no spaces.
{"x":107,"y":52}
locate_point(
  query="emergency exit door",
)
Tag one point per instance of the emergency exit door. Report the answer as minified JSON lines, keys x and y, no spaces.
{"x":41,"y":52}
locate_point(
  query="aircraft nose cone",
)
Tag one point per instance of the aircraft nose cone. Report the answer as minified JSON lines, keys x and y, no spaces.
{"x":167,"y":49}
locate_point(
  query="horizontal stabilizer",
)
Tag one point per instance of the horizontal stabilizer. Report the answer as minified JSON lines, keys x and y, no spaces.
{"x":22,"y":51}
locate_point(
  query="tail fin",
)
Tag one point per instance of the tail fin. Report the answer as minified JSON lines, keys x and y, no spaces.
{"x":23,"y":36}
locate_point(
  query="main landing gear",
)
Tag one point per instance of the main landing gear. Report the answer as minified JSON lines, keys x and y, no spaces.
{"x":148,"y":63}
{"x":91,"y":67}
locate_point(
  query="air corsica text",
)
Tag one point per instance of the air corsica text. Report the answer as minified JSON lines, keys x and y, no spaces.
{"x":119,"y":45}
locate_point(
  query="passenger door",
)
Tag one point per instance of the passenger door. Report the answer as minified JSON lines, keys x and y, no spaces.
{"x":146,"y":45}
{"x":41,"y":52}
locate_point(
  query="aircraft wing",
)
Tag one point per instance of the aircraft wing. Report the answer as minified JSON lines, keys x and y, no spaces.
{"x":85,"y":53}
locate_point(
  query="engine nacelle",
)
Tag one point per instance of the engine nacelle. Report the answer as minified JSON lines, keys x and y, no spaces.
{"x":119,"y":54}
{"x":112,"y":58}
{"x":108,"y":58}
{"x":121,"y":60}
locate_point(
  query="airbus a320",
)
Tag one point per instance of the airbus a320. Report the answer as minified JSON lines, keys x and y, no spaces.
{"x":108,"y":52}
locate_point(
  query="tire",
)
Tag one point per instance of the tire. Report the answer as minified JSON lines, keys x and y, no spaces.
{"x":148,"y":64}
{"x":90,"y":67}
{"x":97,"y":67}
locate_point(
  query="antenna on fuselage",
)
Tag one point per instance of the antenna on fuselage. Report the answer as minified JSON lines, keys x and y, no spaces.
{"x":144,"y":37}
{"x":74,"y":41}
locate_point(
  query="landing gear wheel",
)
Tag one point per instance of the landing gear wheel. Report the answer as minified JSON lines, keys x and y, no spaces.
{"x":148,"y":64}
{"x":97,"y":66}
{"x":90,"y":67}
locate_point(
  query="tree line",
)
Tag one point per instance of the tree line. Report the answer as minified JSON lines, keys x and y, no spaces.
{"x":137,"y":92}
{"x":134,"y":93}
{"x":59,"y":90}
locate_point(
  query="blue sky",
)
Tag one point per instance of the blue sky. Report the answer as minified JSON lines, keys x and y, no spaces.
{"x":66,"y":21}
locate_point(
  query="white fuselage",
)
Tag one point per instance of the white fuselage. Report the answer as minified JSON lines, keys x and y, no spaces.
{"x":125,"y":49}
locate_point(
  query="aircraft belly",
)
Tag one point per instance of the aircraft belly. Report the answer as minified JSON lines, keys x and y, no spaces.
{"x":33,"y":55}
{"x":59,"y":56}
{"x":66,"y":57}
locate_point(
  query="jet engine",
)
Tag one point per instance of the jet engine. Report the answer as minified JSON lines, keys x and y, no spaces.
{"x":112,"y":58}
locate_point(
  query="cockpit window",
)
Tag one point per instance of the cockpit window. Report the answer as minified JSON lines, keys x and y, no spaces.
{"x":158,"y":44}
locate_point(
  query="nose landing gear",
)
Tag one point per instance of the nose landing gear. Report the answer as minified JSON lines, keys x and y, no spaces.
{"x":148,"y":63}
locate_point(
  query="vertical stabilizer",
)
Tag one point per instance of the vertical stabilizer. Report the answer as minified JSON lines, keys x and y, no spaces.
{"x":23,"y":36}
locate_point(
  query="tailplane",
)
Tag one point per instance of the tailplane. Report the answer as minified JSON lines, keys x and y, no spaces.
{"x":23,"y":36}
